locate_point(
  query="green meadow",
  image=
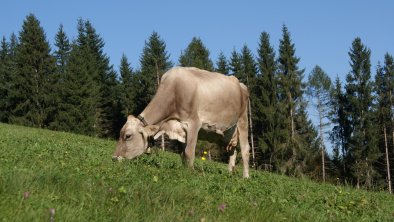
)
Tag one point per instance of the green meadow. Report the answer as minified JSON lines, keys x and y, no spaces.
{"x":55,"y":176}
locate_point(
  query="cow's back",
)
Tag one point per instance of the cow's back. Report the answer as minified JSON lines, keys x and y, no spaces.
{"x":218,"y":100}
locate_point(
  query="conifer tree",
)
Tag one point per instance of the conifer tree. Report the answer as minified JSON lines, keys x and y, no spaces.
{"x":7,"y":75}
{"x":61,"y":54}
{"x":384,"y":82}
{"x":290,"y":101}
{"x":362,"y":141}
{"x":5,"y":80}
{"x":235,"y":65}
{"x":222,"y":64}
{"x":154,"y":63}
{"x":107,"y":82}
{"x":127,"y":87}
{"x":34,"y":76}
{"x":267,"y":93}
{"x":196,"y":55}
{"x":80,"y":96}
{"x":340,"y":132}
{"x":319,"y":88}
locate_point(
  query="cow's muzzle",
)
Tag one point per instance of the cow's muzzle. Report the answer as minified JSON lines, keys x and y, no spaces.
{"x":117,"y":158}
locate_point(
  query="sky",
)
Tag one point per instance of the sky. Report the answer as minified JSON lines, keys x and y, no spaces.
{"x":322,"y":31}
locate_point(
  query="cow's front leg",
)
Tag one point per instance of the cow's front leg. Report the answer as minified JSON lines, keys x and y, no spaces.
{"x":191,"y":141}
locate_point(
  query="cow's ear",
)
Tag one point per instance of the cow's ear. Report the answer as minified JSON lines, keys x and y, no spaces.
{"x":149,"y":130}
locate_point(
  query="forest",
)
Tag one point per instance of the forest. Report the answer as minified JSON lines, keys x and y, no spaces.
{"x":72,"y":87}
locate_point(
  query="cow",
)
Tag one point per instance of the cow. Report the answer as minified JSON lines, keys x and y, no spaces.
{"x":189,"y":100}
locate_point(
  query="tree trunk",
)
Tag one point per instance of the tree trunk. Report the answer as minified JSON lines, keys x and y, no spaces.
{"x":292,"y":129}
{"x":321,"y":139}
{"x":387,"y":160}
{"x":251,"y":132}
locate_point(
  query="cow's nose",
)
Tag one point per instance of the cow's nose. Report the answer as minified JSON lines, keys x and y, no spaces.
{"x":117,"y":158}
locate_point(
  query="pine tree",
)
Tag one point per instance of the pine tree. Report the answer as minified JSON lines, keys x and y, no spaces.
{"x":61,"y":55}
{"x":319,"y":87}
{"x":235,"y":65}
{"x":5,"y":80}
{"x":222,"y":64}
{"x":154,"y":63}
{"x":340,"y":132}
{"x":267,"y":93}
{"x":34,"y":74}
{"x":62,"y":51}
{"x":107,"y":82}
{"x":80,"y":96}
{"x":362,"y":141}
{"x":7,"y":76}
{"x":384,"y":82}
{"x":196,"y":55}
{"x":127,"y":87}
{"x":290,"y":96}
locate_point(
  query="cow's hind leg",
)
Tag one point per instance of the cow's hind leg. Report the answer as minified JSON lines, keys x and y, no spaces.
{"x":231,"y":161}
{"x":191,"y":141}
{"x":242,"y":128}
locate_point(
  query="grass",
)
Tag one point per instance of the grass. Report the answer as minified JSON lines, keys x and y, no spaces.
{"x":47,"y":176}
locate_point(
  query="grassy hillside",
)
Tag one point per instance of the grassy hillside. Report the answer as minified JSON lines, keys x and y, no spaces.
{"x":46,"y":176}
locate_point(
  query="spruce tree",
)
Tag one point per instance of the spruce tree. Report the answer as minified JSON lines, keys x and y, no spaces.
{"x":362,"y":141}
{"x":127,"y":87}
{"x":32,"y":91}
{"x":5,"y":80}
{"x":340,"y":132}
{"x":80,"y":96}
{"x":384,"y":82}
{"x":222,"y":64}
{"x":154,"y":63}
{"x":290,"y":101}
{"x":267,"y":94}
{"x":235,"y":65}
{"x":61,"y":54}
{"x":107,"y":82}
{"x":196,"y":55}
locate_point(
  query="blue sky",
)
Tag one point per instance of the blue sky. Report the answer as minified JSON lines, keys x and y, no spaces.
{"x":322,"y":31}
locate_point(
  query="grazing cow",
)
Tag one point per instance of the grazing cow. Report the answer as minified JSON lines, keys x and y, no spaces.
{"x":187,"y":100}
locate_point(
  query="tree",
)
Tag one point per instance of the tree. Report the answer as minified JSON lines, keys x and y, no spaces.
{"x":154,"y":63}
{"x":62,"y":51}
{"x":267,"y":94}
{"x":290,"y":97}
{"x":297,"y":133}
{"x":384,"y":82}
{"x":79,"y":108}
{"x":319,"y":88}
{"x":127,"y":87}
{"x":106,"y":114}
{"x":362,"y":141}
{"x":33,"y":89}
{"x":7,"y":74}
{"x":222,"y":64}
{"x":196,"y":55}
{"x":5,"y":80}
{"x":61,"y":54}
{"x":340,"y":132}
{"x":235,"y":65}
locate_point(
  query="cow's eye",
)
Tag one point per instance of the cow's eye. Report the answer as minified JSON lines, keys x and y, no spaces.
{"x":128,"y":137}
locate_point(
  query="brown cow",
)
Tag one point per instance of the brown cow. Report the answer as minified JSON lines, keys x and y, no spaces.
{"x":187,"y":100}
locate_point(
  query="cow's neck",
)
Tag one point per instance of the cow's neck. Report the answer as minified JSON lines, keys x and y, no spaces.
{"x":153,"y":116}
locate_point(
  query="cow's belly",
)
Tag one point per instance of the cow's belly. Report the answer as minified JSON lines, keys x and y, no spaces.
{"x":211,"y":134}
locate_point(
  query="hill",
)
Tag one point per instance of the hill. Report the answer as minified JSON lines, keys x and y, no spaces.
{"x":47,"y":176}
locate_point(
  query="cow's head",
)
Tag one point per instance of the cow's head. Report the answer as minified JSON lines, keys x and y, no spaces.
{"x":133,"y":139}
